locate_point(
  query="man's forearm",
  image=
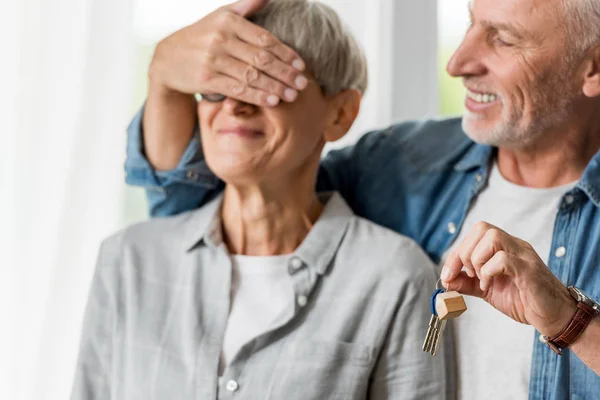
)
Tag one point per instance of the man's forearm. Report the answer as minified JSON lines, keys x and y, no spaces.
{"x":587,"y":347}
{"x":168,"y":124}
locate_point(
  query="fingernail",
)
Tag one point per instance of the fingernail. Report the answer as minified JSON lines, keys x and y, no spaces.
{"x":301,"y":82}
{"x":298,"y":64}
{"x":445,"y":274}
{"x":290,"y":94}
{"x":273,"y":100}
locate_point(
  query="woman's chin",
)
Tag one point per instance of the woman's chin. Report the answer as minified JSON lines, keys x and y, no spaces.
{"x":236,"y":172}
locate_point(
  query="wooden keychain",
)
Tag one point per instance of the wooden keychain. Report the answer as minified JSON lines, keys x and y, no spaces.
{"x":444,"y":306}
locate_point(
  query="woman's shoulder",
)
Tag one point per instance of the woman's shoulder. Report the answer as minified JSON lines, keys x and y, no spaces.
{"x":384,"y":250}
{"x":158,"y":238}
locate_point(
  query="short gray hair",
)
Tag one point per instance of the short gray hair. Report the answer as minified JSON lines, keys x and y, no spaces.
{"x":582,"y":23}
{"x":314,"y":30}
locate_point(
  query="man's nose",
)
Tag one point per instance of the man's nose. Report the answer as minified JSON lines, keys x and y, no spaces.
{"x":468,"y":59}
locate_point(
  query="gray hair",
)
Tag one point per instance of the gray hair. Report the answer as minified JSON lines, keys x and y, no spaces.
{"x":316,"y":32}
{"x":582,"y":23}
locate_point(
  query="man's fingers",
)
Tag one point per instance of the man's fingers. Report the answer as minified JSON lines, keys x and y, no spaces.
{"x":252,"y":77}
{"x":452,"y":267}
{"x":239,"y":90}
{"x":259,"y":37}
{"x":465,"y":249}
{"x":486,"y":248}
{"x":464,"y":284}
{"x":500,"y":264}
{"x":267,"y":63}
{"x":245,"y":8}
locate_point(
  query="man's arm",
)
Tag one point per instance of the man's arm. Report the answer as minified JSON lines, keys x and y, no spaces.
{"x":221,"y":53}
{"x":188,"y":185}
{"x":587,"y":347}
{"x":507,"y":273}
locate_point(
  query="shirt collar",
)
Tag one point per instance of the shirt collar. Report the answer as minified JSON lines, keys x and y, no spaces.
{"x":204,"y":225}
{"x":590,"y":180}
{"x":316,"y":250}
{"x":478,"y":156}
{"x":323,"y":240}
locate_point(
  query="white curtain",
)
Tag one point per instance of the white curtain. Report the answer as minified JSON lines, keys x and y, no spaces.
{"x":66,"y":70}
{"x":67,"y":76}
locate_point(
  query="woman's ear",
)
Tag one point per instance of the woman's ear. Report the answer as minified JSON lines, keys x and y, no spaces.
{"x":591,"y":78}
{"x":344,"y":108}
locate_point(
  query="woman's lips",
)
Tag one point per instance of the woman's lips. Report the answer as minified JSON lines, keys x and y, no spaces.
{"x":240,"y":131}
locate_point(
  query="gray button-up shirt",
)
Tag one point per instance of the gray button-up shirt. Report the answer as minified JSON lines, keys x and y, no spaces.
{"x":160,"y":299}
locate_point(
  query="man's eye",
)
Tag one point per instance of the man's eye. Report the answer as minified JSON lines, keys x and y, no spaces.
{"x":211,"y":97}
{"x":502,"y":42}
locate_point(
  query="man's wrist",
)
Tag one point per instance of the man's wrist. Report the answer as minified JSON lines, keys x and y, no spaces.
{"x":163,"y":93}
{"x":562,"y":317}
{"x":566,"y":314}
{"x":586,"y":311}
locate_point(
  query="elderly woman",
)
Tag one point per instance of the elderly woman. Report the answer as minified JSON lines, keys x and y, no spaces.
{"x":271,"y":291}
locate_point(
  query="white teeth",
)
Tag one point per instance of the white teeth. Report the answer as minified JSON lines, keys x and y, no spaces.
{"x":482,"y":98}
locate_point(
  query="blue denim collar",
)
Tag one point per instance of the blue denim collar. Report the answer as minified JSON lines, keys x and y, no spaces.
{"x":590,"y":180}
{"x":478,"y":156}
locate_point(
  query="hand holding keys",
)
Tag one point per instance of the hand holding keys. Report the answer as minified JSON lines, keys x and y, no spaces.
{"x":444,"y":306}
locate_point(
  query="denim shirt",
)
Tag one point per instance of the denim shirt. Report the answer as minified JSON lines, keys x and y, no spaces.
{"x":419,"y":178}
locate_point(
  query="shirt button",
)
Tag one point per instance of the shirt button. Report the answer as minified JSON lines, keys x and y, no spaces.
{"x":191,"y":174}
{"x":302,"y":300}
{"x":479,"y":177}
{"x":569,"y":199}
{"x":296,"y":263}
{"x":542,"y":338}
{"x":452,"y":228}
{"x":560,"y":252}
{"x":232,"y":386}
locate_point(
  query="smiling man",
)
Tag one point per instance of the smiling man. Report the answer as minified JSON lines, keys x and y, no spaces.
{"x":506,"y":199}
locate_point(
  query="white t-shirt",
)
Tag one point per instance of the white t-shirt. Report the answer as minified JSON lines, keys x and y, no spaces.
{"x":493,"y":351}
{"x":261,"y":289}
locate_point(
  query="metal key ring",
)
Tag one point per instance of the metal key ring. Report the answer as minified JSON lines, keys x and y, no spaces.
{"x":439,"y":285}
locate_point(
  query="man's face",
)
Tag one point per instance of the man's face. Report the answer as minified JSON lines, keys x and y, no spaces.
{"x":515,"y":64}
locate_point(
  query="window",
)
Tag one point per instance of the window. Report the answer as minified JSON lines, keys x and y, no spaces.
{"x":453,"y":19}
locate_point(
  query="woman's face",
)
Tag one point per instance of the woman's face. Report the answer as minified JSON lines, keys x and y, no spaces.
{"x":247,"y":144}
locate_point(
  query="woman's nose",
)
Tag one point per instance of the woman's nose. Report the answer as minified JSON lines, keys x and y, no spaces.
{"x":237,"y":107}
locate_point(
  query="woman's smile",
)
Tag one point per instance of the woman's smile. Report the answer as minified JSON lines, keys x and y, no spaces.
{"x":241,"y":131}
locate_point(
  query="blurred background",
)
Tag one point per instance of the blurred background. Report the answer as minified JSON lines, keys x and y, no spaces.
{"x":72,"y":73}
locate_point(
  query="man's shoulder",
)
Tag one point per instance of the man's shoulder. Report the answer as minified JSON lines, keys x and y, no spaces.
{"x":427,"y":143}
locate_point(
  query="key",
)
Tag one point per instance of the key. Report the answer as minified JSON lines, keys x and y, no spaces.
{"x":435,"y":325}
{"x":444,"y":306}
{"x":437,"y":339}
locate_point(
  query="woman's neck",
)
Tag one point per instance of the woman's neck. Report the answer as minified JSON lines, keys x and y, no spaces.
{"x":263,"y":221}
